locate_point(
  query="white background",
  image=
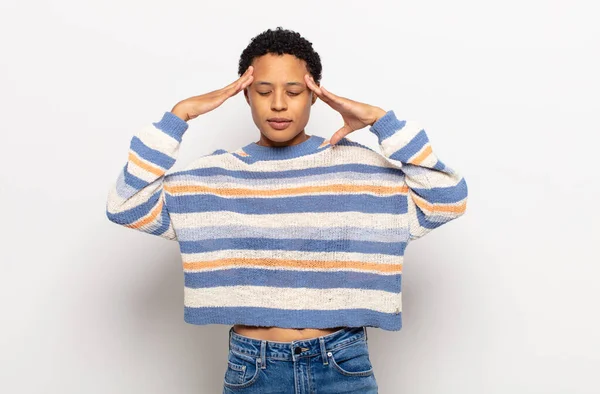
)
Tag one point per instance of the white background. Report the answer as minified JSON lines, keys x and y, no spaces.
{"x":502,"y":300}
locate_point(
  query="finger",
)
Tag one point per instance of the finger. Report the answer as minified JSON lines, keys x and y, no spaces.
{"x":242,"y":78}
{"x":341,"y":101}
{"x":338,"y":135}
{"x":310,"y":82}
{"x":239,"y":87}
{"x":245,"y":84}
{"x":312,"y":85}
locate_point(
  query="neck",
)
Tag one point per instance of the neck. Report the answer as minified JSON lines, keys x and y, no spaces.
{"x":299,"y":138}
{"x":305,"y":145}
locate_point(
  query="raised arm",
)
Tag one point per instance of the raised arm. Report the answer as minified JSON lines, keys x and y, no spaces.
{"x":437,"y":194}
{"x":137,"y":198}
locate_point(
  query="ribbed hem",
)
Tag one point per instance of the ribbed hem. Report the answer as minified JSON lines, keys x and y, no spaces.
{"x":387,"y":125}
{"x":172,"y":125}
{"x":307,"y":147}
{"x":271,"y":317}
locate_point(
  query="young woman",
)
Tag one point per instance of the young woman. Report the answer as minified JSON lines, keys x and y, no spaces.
{"x":295,"y":240}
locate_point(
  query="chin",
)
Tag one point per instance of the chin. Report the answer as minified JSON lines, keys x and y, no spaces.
{"x":281,"y":136}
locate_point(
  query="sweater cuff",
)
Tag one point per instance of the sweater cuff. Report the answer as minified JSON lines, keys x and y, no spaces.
{"x":387,"y":125}
{"x":172,"y":125}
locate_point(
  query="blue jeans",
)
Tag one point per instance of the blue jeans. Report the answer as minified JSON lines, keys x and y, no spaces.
{"x":330,"y":364}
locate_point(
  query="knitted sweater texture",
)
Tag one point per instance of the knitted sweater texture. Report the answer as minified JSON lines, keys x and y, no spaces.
{"x":302,"y":236}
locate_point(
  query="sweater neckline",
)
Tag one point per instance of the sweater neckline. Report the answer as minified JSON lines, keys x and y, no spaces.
{"x":306,"y":147}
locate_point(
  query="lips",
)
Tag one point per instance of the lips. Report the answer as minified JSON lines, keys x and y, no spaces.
{"x":279,"y":123}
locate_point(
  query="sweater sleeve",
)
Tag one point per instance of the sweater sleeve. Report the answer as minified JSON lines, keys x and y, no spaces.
{"x":437,"y":193}
{"x":137,"y":198}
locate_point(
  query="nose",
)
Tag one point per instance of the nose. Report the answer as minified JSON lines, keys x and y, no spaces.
{"x":278,"y":103}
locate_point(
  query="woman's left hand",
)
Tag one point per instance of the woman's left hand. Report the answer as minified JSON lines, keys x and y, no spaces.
{"x":356,"y":115}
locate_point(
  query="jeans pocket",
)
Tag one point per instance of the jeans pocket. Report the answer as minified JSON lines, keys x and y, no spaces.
{"x":352,"y":360}
{"x":242,"y":370}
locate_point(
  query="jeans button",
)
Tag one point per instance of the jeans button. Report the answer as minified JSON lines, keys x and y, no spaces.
{"x":297,"y":350}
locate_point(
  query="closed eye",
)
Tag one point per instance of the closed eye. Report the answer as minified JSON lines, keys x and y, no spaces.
{"x":290,"y":93}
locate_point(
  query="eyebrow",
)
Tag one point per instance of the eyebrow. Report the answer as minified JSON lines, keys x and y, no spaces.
{"x":289,"y":83}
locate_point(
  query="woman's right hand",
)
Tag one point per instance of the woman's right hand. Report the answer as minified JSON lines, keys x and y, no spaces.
{"x":195,"y":106}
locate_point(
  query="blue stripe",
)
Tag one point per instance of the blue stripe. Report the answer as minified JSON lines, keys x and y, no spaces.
{"x":295,"y":244}
{"x":123,"y":189}
{"x":151,"y":155}
{"x":429,"y":224}
{"x":264,"y":175}
{"x":293,"y":278}
{"x":133,"y":180}
{"x":285,"y":318}
{"x":440,"y":166}
{"x":395,"y":204}
{"x":446,"y":195}
{"x":410,"y":149}
{"x":131,"y":215}
{"x":387,"y":126}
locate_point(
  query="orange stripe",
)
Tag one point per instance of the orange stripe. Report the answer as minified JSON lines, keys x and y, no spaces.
{"x":157,"y":171}
{"x":422,"y":156}
{"x":451,"y":208}
{"x":150,"y":218}
{"x":340,"y":188}
{"x":202,"y":265}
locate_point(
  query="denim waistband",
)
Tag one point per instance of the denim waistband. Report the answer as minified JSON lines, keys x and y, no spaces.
{"x":295,"y":349}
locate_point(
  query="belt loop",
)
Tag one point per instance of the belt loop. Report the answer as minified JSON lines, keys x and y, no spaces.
{"x":263,"y":354}
{"x":323,"y":351}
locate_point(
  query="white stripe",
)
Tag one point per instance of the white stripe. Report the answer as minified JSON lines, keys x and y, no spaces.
{"x":358,"y":233}
{"x":292,"y":298}
{"x":400,"y":138}
{"x":350,"y":177}
{"x":115,"y":203}
{"x":292,"y":255}
{"x":416,"y":178}
{"x":158,"y":140}
{"x":329,"y":189}
{"x":337,"y":156}
{"x":287,"y":220}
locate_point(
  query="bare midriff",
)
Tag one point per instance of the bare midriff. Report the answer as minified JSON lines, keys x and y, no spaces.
{"x":281,"y":334}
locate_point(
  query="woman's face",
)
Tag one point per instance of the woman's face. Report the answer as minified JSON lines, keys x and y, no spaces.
{"x":279,"y":91}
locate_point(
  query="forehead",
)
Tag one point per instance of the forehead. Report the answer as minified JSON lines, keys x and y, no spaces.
{"x":278,"y":68}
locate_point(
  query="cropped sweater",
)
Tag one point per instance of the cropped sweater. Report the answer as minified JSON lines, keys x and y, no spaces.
{"x":303,"y":236}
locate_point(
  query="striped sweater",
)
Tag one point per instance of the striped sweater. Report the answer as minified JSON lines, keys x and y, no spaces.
{"x":303,"y":236}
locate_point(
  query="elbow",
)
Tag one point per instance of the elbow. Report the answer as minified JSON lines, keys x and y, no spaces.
{"x":464,"y":192}
{"x":114,"y":212}
{"x":111,"y":216}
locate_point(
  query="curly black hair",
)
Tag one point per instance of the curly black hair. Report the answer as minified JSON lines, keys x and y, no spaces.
{"x":282,"y":41}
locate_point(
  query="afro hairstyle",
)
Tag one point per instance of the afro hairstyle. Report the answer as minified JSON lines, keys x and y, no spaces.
{"x":282,"y":41}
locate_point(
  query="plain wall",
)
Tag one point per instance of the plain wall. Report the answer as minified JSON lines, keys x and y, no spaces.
{"x":502,"y":300}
